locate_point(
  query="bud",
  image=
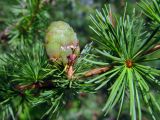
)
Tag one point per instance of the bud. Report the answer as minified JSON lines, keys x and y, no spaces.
{"x":61,"y":41}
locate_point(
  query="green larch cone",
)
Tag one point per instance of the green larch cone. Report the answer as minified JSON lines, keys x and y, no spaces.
{"x":61,"y":41}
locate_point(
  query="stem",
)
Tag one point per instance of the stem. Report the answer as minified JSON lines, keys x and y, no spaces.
{"x":38,"y":85}
{"x":98,"y":71}
{"x":157,"y":47}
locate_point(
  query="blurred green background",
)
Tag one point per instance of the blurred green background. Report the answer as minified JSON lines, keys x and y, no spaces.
{"x":77,"y":14}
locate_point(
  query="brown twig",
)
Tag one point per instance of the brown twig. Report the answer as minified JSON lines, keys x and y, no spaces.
{"x":71,"y":62}
{"x":157,"y":47}
{"x":38,"y":85}
{"x":98,"y":71}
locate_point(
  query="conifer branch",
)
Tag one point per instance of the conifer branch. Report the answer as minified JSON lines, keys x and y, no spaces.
{"x":97,"y":71}
{"x":101,"y":70}
{"x":157,"y":47}
{"x":89,"y":73}
{"x":38,"y":85}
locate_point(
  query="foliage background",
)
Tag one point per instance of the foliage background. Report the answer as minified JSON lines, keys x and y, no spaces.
{"x":76,"y":13}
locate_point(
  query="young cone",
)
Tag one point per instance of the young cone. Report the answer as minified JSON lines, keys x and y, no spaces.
{"x":61,"y":41}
